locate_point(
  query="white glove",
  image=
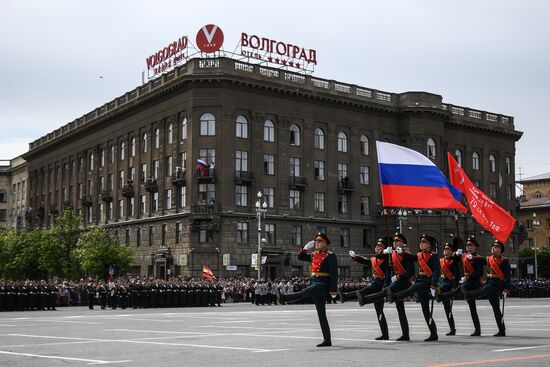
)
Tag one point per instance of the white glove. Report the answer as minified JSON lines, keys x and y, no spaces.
{"x":394,"y":279}
{"x":459,"y":251}
{"x":399,"y":250}
{"x":504,"y":294}
{"x":309,"y":245}
{"x":432,"y":291}
{"x":351,"y":253}
{"x":333,"y":296}
{"x":470,"y":257}
{"x":462,"y":280}
{"x":388,"y":250}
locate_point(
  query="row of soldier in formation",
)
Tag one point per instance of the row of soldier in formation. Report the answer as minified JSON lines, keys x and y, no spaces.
{"x":457,"y":272}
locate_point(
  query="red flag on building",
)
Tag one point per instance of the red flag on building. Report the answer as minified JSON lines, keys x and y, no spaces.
{"x":207,"y":273}
{"x":484,"y":210}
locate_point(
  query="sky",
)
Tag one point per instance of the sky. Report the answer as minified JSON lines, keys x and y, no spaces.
{"x":60,"y":59}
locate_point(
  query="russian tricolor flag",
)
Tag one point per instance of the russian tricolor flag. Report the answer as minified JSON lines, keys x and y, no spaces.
{"x":408,"y":179}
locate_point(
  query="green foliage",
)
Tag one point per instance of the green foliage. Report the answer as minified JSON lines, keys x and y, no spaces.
{"x":527,"y":256}
{"x":64,"y":251}
{"x":96,"y":250}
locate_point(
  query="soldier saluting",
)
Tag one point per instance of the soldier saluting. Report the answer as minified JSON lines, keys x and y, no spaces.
{"x":497,"y":283}
{"x":324,"y":279}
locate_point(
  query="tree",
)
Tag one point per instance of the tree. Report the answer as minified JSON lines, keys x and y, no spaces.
{"x":65,"y":233}
{"x":527,"y":256}
{"x":97,"y":250}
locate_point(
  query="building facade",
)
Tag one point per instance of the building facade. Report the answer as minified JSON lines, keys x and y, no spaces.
{"x":174,"y":166}
{"x":534,"y":211}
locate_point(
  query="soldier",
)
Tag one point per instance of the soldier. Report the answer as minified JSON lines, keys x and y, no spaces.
{"x":450,"y":274}
{"x":379,"y":265}
{"x":324,"y":279}
{"x":91,"y":290}
{"x":497,"y":283}
{"x":397,"y":279}
{"x":425,"y":284}
{"x":102,"y":290}
{"x":471,"y":281}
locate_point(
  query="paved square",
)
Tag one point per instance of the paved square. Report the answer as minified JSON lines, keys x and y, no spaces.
{"x":248,"y":335}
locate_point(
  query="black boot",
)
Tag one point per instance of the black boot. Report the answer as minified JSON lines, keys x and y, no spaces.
{"x":433,"y":332}
{"x":383,"y":327}
{"x":392,"y":297}
{"x":476,"y":332}
{"x":325,"y":343}
{"x":403,"y":338}
{"x":501,"y":330}
{"x":363,"y":300}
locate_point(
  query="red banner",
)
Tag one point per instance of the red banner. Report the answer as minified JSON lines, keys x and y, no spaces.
{"x":207,"y":273}
{"x":484,"y":210}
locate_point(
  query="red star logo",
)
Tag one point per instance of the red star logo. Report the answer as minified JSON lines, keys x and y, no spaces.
{"x":284,"y":62}
{"x":277,"y":60}
{"x":291,"y":63}
{"x":270,"y":59}
{"x":297,"y":64}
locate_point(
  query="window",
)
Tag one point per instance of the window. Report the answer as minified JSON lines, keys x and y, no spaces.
{"x":365,"y":205}
{"x":207,"y":193}
{"x":364,"y":175}
{"x":121,"y":181}
{"x":143,"y":172}
{"x":294,"y":135}
{"x":297,"y":235}
{"x":492,"y":163}
{"x":207,"y":125}
{"x":269,"y":164}
{"x":183,"y":160}
{"x":269,"y":233}
{"x":168,"y":199}
{"x":154,"y":202}
{"x":538,"y":195}
{"x":127,"y":237}
{"x":364,"y":145}
{"x":342,"y":171}
{"x":509,"y":190}
{"x":319,"y":202}
{"x":294,"y":196}
{"x":431,"y":150}
{"x":241,"y":195}
{"x":142,"y":203}
{"x":144,"y":143}
{"x":508,"y":165}
{"x":342,"y":142}
{"x":241,"y":161}
{"x":138,"y":237}
{"x":151,"y":236}
{"x":241,"y":127}
{"x":112,"y":154}
{"x":102,"y":158}
{"x":122,"y":150}
{"x":169,"y":166}
{"x":294,"y":167}
{"x":269,"y":196}
{"x":179,"y":231}
{"x":155,"y":169}
{"x":121,"y":209}
{"x":91,"y":162}
{"x":475,"y":161}
{"x":81,"y":163}
{"x":170,"y":134}
{"x":133,"y":147}
{"x":319,"y":139}
{"x":269,"y":131}
{"x":493,"y":190}
{"x":157,"y":138}
{"x":458,"y":157}
{"x":110,"y":210}
{"x":344,"y":237}
{"x":208,"y":155}
{"x":367,"y":234}
{"x":319,"y":167}
{"x":183,"y":194}
{"x":242,"y":232}
{"x":131,"y":205}
{"x":184,"y":129}
{"x":204,"y":236}
{"x":343,"y":206}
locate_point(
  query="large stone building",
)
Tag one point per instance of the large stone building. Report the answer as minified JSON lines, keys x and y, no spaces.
{"x":307,"y":144}
{"x":13,"y":194}
{"x":534,"y":208}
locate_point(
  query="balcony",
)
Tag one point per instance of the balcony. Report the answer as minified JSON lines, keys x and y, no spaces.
{"x":67,"y":204}
{"x":297,"y":183}
{"x":52,"y":209}
{"x":106,"y":196}
{"x":178,"y":179}
{"x":128,"y":189}
{"x":345,"y":187}
{"x":28,"y":213}
{"x":206,"y":175}
{"x":244,"y":177}
{"x":151,"y":184}
{"x":204,"y":208}
{"x":86,"y":200}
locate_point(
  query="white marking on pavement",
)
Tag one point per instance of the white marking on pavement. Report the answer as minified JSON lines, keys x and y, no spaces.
{"x":90,"y":361}
{"x":522,"y":348}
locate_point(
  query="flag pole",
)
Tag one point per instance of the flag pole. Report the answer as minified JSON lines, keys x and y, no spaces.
{"x":385,"y":212}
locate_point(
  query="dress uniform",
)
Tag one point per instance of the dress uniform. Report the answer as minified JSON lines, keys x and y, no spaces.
{"x":425,"y":284}
{"x":497,"y":283}
{"x":471,"y":281}
{"x":448,"y":281}
{"x":397,"y":279}
{"x":379,"y":266}
{"x":324,"y":279}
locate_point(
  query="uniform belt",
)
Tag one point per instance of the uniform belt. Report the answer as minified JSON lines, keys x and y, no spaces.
{"x":422,"y":273}
{"x":492,"y":275}
{"x":319,"y":274}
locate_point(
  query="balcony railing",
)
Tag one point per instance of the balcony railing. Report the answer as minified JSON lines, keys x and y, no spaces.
{"x":106,"y":196}
{"x":151,"y":184}
{"x":86,"y":200}
{"x":207,"y":174}
{"x":201,"y":208}
{"x":244,"y":177}
{"x":128,"y":190}
{"x":345,"y":187}
{"x":178,"y":179}
{"x":296,"y":182}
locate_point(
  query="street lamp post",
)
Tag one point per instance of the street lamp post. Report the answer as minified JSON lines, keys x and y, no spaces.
{"x":536,"y":224}
{"x":402,"y":216}
{"x":261,"y":209}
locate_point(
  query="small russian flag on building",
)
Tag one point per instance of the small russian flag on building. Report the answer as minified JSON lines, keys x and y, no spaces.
{"x":408,"y":179}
